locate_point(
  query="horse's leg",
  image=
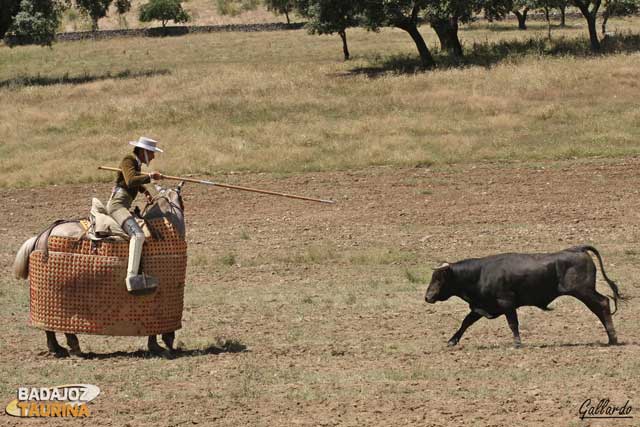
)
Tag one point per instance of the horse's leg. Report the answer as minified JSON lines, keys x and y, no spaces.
{"x":154,"y":347}
{"x":168,"y":339}
{"x":54,"y":347}
{"x":74,"y":344}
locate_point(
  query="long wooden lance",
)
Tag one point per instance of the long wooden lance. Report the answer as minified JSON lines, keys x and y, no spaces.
{"x":233,"y":187}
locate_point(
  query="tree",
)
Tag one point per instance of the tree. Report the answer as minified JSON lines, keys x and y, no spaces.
{"x":96,"y":9}
{"x":589,"y":9}
{"x":444,"y":16}
{"x":520,"y":8}
{"x":164,"y":11}
{"x":546,"y":6}
{"x":283,"y":7}
{"x":35,"y":23}
{"x":403,"y":14}
{"x":122,"y":7}
{"x":618,"y":8}
{"x":562,"y":5}
{"x":330,"y":16}
{"x":8,"y":11}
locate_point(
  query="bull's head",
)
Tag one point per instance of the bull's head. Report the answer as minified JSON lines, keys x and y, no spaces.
{"x":438,"y":289}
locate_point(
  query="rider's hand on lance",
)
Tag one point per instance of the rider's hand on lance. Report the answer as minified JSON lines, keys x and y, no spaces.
{"x":155,"y":175}
{"x":149,"y":197}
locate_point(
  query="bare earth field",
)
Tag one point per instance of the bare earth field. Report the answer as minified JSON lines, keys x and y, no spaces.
{"x":304,"y":314}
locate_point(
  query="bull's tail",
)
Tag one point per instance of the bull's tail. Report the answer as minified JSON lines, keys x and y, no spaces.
{"x":616,"y":292}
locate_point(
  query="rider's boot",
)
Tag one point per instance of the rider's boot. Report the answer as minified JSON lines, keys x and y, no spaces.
{"x":137,"y":283}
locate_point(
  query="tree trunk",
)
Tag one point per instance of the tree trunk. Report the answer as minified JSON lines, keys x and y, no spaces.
{"x":287,"y":15}
{"x":605,"y":18}
{"x":522,"y":18}
{"x":94,"y":24}
{"x":447,"y":31}
{"x":345,"y":48}
{"x":423,"y":50}
{"x":563,"y":20}
{"x":593,"y":33}
{"x":590,"y":16}
{"x":548,"y":18}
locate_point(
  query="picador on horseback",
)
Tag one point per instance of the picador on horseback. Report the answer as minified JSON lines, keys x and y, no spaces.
{"x":129,"y":182}
{"x":75,"y":268}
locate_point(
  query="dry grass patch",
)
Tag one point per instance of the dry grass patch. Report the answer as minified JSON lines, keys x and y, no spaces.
{"x":283,"y":102}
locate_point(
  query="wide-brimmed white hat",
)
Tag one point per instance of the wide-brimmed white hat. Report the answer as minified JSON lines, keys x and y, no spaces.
{"x":146,"y":143}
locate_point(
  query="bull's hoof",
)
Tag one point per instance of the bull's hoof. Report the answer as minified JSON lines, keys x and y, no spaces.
{"x":613,"y":341}
{"x":452,"y":343}
{"x":517,"y":344}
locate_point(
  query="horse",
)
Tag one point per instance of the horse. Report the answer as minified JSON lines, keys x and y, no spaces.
{"x":166,"y":204}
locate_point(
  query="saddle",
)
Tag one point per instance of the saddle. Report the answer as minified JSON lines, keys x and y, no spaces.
{"x":103,"y":227}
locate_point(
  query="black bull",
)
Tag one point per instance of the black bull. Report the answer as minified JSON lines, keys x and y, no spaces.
{"x":499,"y":284}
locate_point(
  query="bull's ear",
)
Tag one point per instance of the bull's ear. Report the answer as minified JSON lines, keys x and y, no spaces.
{"x":444,"y":266}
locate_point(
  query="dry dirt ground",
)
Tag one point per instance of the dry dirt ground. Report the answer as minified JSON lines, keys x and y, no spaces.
{"x":306,"y":314}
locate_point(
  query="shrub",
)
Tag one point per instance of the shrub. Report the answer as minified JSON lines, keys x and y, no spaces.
{"x":164,"y":11}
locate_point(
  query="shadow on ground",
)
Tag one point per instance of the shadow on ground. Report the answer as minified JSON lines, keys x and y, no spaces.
{"x":490,"y":54}
{"x":513,"y":26}
{"x":225,"y":346}
{"x":39,"y":80}
{"x":526,"y":346}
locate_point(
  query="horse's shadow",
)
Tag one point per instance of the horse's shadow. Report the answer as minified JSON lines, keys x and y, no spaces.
{"x":227,"y":346}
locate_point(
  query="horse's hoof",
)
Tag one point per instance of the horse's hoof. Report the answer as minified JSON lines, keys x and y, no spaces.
{"x":157,"y":350}
{"x":161,"y":352}
{"x":59,"y":353}
{"x":75,"y":352}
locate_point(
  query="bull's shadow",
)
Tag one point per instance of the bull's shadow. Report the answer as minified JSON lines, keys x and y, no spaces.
{"x":66,"y":79}
{"x":220,"y":347}
{"x":525,"y":346}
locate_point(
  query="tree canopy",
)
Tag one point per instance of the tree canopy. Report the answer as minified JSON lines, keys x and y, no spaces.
{"x":281,"y":7}
{"x":163,"y":11}
{"x":8,"y":11}
{"x":36,"y":22}
{"x":95,"y":9}
{"x":330,"y":16}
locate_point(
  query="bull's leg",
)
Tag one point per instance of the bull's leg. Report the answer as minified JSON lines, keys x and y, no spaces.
{"x":168,"y":340}
{"x":512,"y":319}
{"x":471,"y":318}
{"x":599,"y":305}
{"x":74,"y":344}
{"x":53,"y":346}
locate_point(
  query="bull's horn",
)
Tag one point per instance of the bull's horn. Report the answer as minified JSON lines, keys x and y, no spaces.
{"x":444,"y":266}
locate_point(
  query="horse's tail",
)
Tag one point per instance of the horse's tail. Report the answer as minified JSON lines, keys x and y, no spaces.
{"x":614,"y":287}
{"x":21,"y":263}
